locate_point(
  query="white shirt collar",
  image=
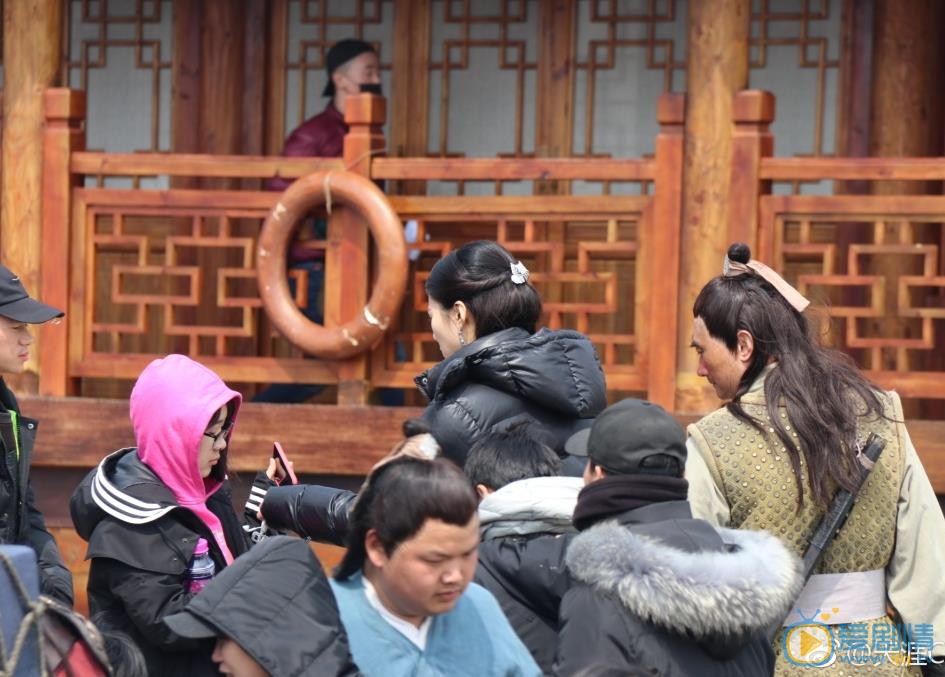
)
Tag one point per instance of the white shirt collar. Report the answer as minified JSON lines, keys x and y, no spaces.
{"x":417,"y":635}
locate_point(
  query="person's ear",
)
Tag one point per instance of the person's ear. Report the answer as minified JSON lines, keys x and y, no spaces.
{"x":374,"y":549}
{"x":338,"y":77}
{"x":459,"y":313}
{"x":483,"y":491}
{"x":744,"y":346}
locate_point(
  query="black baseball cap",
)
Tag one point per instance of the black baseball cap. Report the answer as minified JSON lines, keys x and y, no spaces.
{"x":341,"y":53}
{"x":17,"y":305}
{"x":633,"y":437}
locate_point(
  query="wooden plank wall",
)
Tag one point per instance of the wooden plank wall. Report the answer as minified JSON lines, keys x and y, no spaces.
{"x":327,"y":443}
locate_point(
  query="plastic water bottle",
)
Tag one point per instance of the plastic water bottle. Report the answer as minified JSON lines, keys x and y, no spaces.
{"x":201,"y":568}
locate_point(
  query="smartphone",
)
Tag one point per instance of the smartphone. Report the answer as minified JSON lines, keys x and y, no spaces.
{"x":279,"y":454}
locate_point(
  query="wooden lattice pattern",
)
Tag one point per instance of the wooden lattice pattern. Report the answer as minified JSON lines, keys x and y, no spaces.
{"x":615,"y":37}
{"x":584,"y":266}
{"x":877,"y":275}
{"x":813,"y":28}
{"x":96,"y":38}
{"x":506,"y":30}
{"x":163,"y":277}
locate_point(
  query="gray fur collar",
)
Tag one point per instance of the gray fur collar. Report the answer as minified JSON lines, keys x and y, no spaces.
{"x":704,"y":593}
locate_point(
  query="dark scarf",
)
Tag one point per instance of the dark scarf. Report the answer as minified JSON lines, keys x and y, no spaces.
{"x":616,"y":494}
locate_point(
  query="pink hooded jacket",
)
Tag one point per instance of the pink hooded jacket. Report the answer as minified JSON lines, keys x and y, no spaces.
{"x":172,"y":404}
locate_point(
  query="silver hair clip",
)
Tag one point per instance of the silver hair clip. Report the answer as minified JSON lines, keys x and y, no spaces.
{"x":519,"y":273}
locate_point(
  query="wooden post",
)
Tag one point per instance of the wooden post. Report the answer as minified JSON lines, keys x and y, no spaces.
{"x":753,"y":111}
{"x":64,"y":111}
{"x":717,"y":69}
{"x":410,"y":91}
{"x":347,"y":261}
{"x":32,"y":53}
{"x":662,"y":262}
{"x":908,"y":107}
{"x":554,"y":109}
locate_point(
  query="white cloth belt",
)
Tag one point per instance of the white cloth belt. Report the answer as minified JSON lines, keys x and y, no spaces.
{"x":841,"y":598}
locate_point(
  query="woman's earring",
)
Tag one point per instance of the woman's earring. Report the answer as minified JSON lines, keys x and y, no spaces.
{"x":462,"y":339}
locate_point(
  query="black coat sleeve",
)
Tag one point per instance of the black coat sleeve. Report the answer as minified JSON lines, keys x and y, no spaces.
{"x":148,"y":597}
{"x":55,"y":578}
{"x":589,"y":634}
{"x":310,"y":510}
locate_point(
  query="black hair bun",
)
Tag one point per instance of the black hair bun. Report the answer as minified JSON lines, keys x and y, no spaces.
{"x":739,"y":252}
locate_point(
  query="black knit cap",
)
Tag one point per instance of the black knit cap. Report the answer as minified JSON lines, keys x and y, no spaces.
{"x":341,"y":53}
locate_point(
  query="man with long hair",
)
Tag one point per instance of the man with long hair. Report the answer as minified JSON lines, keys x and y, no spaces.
{"x":789,"y":435}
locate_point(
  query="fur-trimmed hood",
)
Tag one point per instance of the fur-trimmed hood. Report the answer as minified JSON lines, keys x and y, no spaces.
{"x":717,"y":597}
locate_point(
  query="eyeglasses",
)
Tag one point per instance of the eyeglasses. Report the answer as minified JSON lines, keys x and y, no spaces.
{"x":216,"y":437}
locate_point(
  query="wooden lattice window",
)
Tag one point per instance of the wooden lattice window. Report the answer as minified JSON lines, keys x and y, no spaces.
{"x":120,"y":52}
{"x":311,"y":28}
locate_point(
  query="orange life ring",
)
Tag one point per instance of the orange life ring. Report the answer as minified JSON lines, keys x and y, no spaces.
{"x":365,"y":329}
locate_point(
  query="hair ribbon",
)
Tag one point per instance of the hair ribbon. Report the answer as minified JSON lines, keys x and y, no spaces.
{"x":791,"y":295}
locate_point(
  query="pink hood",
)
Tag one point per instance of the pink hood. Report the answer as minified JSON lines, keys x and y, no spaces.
{"x":172,"y":404}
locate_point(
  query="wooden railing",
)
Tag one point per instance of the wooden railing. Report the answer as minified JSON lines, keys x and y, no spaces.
{"x":873,"y":261}
{"x":145,"y":271}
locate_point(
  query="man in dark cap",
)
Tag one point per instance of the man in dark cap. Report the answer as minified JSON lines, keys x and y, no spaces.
{"x":352,"y":67}
{"x":20,"y":521}
{"x":651,"y":587}
{"x":271,"y":612}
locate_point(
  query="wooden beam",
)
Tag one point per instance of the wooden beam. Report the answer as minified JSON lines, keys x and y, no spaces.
{"x":753,"y":111}
{"x":410,"y":87}
{"x":321,"y":439}
{"x":659,"y":260}
{"x":908,"y":107}
{"x":185,"y":78}
{"x":858,"y":169}
{"x":192,"y":164}
{"x":276,"y":76}
{"x":554,"y":108}
{"x":254,"y":78}
{"x":501,"y":169}
{"x":717,"y":68}
{"x":853,"y":94}
{"x":64,"y":110}
{"x":32,"y":56}
{"x":348,"y":258}
{"x":325,"y":439}
{"x":510,"y":206}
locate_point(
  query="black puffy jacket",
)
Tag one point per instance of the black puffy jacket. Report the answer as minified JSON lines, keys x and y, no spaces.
{"x":140,"y":543}
{"x":276,"y":603}
{"x":659,"y":591}
{"x":551,"y":379}
{"x":527,"y":576}
{"x":20,"y":522}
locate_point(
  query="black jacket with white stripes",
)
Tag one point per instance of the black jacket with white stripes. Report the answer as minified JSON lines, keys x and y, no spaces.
{"x":140,"y":543}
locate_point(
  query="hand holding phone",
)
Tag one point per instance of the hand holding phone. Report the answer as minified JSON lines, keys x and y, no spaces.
{"x":284,"y":470}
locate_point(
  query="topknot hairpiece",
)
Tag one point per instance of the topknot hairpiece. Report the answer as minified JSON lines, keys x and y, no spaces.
{"x":519,"y":273}
{"x":791,"y":295}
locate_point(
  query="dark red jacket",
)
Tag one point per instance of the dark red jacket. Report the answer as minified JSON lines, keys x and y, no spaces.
{"x":320,"y":136}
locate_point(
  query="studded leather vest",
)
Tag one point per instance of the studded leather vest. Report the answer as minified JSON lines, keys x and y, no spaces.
{"x":754,"y":473}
